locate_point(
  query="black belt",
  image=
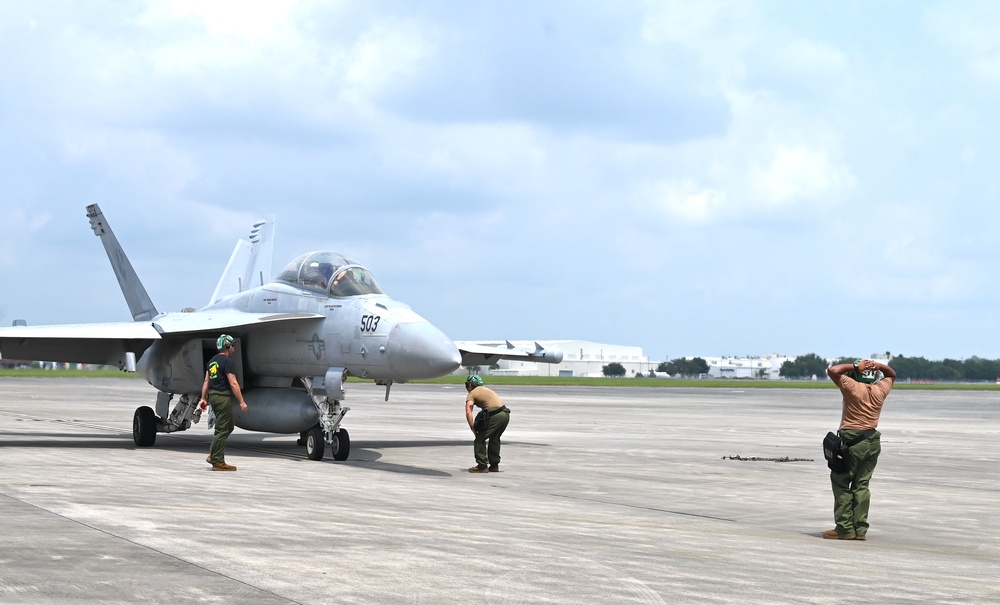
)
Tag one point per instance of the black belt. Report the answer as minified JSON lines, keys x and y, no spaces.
{"x":866,"y":434}
{"x":498,"y":410}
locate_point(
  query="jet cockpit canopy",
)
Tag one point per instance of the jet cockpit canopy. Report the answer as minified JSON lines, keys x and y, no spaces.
{"x":325,"y":271}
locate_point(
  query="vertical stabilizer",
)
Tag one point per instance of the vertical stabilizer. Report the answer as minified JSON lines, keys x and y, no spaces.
{"x":229,"y":283}
{"x":258,"y":269}
{"x":138,"y":301}
{"x":249,"y":265}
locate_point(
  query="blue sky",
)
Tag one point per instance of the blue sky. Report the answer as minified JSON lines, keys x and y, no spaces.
{"x":711,"y":178}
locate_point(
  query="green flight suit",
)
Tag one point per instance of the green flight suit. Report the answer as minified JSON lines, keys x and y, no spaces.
{"x":490,"y":455}
{"x":851,"y":496}
{"x":222,"y":405}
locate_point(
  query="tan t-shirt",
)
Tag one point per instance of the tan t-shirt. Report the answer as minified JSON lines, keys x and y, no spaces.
{"x":862,"y":402}
{"x":484,"y":398}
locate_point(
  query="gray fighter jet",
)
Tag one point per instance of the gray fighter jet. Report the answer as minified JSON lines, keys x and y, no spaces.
{"x":299,"y":336}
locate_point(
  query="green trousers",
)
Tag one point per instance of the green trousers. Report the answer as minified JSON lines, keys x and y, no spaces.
{"x":490,"y":454}
{"x":851,"y":496}
{"x":222,"y":405}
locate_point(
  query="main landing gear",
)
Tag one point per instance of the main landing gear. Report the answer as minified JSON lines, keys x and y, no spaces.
{"x":146,"y":423}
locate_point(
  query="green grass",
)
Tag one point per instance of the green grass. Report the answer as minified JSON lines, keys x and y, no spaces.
{"x":715,"y":383}
{"x":573,"y":381}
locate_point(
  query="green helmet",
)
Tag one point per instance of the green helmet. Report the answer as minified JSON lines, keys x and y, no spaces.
{"x":224,"y":342}
{"x":867,"y":377}
{"x":474,"y":381}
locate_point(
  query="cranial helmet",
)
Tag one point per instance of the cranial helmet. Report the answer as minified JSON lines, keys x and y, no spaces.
{"x":224,"y":342}
{"x":474,"y":381}
{"x":867,"y":377}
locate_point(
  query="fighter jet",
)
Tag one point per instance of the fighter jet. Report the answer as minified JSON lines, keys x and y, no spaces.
{"x":321,"y":319}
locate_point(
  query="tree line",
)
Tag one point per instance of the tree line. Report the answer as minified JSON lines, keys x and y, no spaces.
{"x":973,"y":369}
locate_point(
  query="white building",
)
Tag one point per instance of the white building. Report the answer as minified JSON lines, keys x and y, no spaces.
{"x":760,"y":367}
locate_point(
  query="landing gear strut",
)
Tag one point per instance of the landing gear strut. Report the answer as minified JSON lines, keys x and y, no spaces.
{"x":146,"y":423}
{"x":326,"y":393}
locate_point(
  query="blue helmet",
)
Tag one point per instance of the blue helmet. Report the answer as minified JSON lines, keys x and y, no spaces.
{"x":474,"y":381}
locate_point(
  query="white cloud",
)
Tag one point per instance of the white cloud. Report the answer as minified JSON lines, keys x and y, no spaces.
{"x":972,"y":33}
{"x":21,"y":226}
{"x":248,"y":19}
{"x":797,"y":174}
{"x":387,"y":51}
{"x":686,"y":200}
{"x":812,"y":58}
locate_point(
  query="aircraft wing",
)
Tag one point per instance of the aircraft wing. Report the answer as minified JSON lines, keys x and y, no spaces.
{"x":108,"y":343}
{"x":223,"y":320}
{"x":485,"y":354}
{"x":102,"y":343}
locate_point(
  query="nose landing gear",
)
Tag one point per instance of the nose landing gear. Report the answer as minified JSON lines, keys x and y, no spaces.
{"x":326,"y":393}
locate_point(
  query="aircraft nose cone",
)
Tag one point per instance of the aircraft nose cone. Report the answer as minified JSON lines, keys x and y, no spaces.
{"x":419,"y":350}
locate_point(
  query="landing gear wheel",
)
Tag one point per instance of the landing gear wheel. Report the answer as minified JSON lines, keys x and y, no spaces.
{"x":315,"y":444}
{"x":144,"y":427}
{"x":341,"y":445}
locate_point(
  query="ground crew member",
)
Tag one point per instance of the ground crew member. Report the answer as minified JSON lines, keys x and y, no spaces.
{"x":219,"y":389}
{"x":864,"y":393}
{"x":497,"y":417}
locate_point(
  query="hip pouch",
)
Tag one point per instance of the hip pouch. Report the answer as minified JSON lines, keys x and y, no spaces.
{"x":838,"y":452}
{"x":482,"y":419}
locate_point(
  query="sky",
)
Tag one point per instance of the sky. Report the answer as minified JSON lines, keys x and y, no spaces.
{"x":698,"y":179}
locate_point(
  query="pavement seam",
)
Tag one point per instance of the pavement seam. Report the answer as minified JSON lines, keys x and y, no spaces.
{"x":635,"y":506}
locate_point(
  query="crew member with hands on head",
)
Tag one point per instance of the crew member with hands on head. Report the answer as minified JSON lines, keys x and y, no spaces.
{"x":865,"y":384}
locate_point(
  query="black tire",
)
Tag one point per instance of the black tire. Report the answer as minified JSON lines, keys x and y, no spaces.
{"x":341,"y":445}
{"x":315,"y":444}
{"x":144,"y":427}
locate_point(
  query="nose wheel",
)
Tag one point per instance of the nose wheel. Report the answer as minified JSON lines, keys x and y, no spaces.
{"x":341,"y":445}
{"x":326,"y":392}
{"x":315,"y":444}
{"x":315,"y":441}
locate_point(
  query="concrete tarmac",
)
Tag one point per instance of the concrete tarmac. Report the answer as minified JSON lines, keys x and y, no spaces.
{"x":605,"y":495}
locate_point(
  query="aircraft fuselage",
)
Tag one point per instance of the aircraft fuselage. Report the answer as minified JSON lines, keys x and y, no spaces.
{"x":372,"y":337}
